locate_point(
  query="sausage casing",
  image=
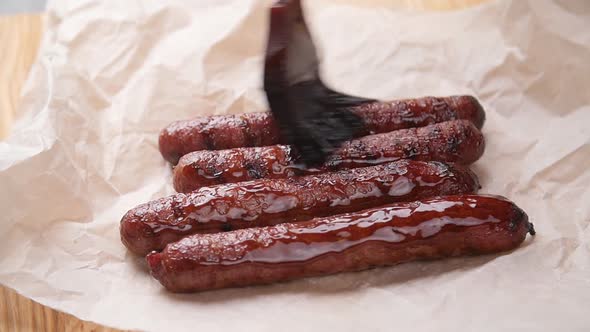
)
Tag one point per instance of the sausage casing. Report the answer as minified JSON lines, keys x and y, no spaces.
{"x":388,"y":235}
{"x":267,"y":202}
{"x":453,"y":141}
{"x":221,"y":132}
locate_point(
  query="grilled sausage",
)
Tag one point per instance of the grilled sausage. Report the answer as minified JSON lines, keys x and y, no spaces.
{"x":259,"y":129}
{"x":267,"y":202}
{"x":453,"y":141}
{"x":389,"y":235}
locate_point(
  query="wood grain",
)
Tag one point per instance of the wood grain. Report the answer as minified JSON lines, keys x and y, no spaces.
{"x":20,"y":37}
{"x":17,"y":313}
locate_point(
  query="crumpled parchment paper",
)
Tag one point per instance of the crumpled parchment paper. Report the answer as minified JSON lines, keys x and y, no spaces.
{"x":111,"y":74}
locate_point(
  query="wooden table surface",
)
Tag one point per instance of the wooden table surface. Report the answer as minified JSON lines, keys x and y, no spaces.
{"x":20,"y":37}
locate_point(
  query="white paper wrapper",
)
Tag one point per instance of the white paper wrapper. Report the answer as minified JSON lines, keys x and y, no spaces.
{"x":112,"y":74}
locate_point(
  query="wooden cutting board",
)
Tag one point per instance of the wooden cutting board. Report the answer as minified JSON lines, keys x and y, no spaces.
{"x":20,"y":37}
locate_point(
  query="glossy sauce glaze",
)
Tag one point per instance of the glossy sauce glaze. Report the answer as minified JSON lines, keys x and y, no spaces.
{"x":206,"y":168}
{"x":271,"y":201}
{"x":456,"y":141}
{"x":453,"y":141}
{"x":383,"y":117}
{"x":221,"y":132}
{"x":388,"y":235}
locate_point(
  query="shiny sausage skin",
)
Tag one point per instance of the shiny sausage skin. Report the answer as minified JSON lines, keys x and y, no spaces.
{"x":221,"y":132}
{"x":397,"y":233}
{"x":453,"y":141}
{"x":383,"y":117}
{"x":268,"y":201}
